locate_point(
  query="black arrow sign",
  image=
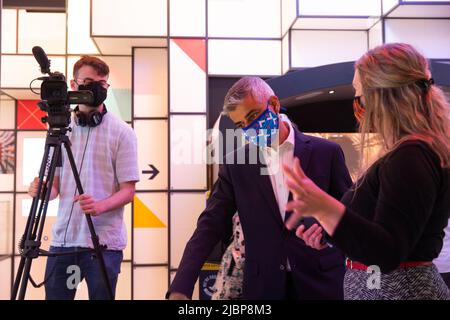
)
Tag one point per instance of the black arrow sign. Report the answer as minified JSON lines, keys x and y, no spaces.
{"x":154,"y":172}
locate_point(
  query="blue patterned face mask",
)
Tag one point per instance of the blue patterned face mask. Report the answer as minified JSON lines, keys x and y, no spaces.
{"x":263,"y":129}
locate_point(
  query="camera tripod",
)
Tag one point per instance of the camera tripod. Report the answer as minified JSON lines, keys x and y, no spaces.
{"x":31,"y":239}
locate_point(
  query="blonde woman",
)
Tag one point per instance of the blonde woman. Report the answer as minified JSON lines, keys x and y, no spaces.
{"x":390,"y":224}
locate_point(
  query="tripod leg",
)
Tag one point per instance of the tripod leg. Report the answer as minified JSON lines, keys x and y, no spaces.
{"x":21,"y":275}
{"x":18,"y":278}
{"x":94,"y":237}
{"x":39,"y":227}
{"x":26,"y":276}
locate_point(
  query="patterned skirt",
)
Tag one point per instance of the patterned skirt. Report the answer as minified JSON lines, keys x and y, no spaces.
{"x":417,"y":283}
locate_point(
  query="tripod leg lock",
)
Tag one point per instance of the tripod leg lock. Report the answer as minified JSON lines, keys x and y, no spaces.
{"x":31,"y":249}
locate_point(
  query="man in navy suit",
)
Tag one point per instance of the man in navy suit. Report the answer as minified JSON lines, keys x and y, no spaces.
{"x":278,"y":265}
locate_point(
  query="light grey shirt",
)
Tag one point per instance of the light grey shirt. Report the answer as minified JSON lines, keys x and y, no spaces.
{"x":105,"y":156}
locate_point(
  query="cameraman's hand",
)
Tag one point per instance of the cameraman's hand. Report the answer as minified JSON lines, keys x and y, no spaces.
{"x":33,"y":188}
{"x":177,"y":296}
{"x":88,"y":205}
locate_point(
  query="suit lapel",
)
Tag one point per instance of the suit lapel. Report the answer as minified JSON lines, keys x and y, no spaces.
{"x":302,"y":149}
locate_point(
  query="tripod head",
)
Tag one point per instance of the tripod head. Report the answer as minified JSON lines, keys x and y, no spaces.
{"x":55,"y":97}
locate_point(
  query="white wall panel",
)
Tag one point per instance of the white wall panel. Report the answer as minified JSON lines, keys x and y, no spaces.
{"x":187,"y":82}
{"x":47,"y":30}
{"x":376,"y":35}
{"x":150,"y":82}
{"x":244,"y":18}
{"x":313,"y":48}
{"x":150,"y":283}
{"x":244,"y":57}
{"x":340,"y":8}
{"x":129,"y":18}
{"x":152,"y":150}
{"x":188,"y":18}
{"x":78,"y":28}
{"x":9,"y":30}
{"x":19,"y":70}
{"x":188,"y":152}
{"x":185,"y":209}
{"x":289,"y":14}
{"x":431,"y":37}
{"x":285,"y":47}
{"x":151,"y":239}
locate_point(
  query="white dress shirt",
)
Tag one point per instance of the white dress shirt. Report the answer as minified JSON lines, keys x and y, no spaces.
{"x":275,"y":158}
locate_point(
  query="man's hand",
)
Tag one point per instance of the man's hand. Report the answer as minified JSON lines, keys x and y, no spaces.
{"x":33,"y":189}
{"x":312,"y":236}
{"x":177,"y":296}
{"x":88,"y":205}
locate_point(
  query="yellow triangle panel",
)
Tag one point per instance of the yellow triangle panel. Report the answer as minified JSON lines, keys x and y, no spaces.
{"x":144,"y":217}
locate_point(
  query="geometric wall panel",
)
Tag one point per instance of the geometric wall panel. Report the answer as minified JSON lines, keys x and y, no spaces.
{"x":29,"y":115}
{"x":187,"y":18}
{"x":187,"y":145}
{"x":7,"y":159}
{"x":29,"y":70}
{"x":30,"y":150}
{"x":42,"y":29}
{"x":421,"y":9}
{"x":387,"y":5}
{"x":339,"y":8}
{"x":8,"y":30}
{"x":131,"y":18}
{"x":244,"y":57}
{"x":331,"y":23}
{"x":431,"y":37}
{"x":312,"y":48}
{"x":127,"y":220}
{"x":7,"y":113}
{"x":185,"y":210}
{"x":285,"y":47}
{"x":5,"y":278}
{"x":150,"y":228}
{"x":150,"y":82}
{"x":150,"y":283}
{"x":187,"y":75}
{"x":123,"y":289}
{"x":288,"y":14}
{"x":240,"y":19}
{"x":376,"y":35}
{"x":78,"y":28}
{"x":152,"y":154}
{"x":6,"y":223}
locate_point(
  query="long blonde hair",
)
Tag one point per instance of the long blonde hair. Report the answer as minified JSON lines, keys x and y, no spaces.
{"x":397,"y":104}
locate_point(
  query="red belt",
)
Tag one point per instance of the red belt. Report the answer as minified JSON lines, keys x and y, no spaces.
{"x":408,"y":264}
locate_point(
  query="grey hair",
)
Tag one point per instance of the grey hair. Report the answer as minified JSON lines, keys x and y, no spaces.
{"x":246,"y":86}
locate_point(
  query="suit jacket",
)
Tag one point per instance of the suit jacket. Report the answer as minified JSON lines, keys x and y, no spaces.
{"x":317,"y":274}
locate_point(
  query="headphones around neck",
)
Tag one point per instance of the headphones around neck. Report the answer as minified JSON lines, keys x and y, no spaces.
{"x":92,"y":119}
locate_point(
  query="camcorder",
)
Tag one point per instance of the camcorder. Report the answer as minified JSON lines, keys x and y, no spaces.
{"x":55,"y":97}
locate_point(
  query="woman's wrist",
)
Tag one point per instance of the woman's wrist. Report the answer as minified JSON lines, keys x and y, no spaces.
{"x":330,"y":217}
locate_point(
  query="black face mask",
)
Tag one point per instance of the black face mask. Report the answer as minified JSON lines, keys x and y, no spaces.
{"x":99,"y":92}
